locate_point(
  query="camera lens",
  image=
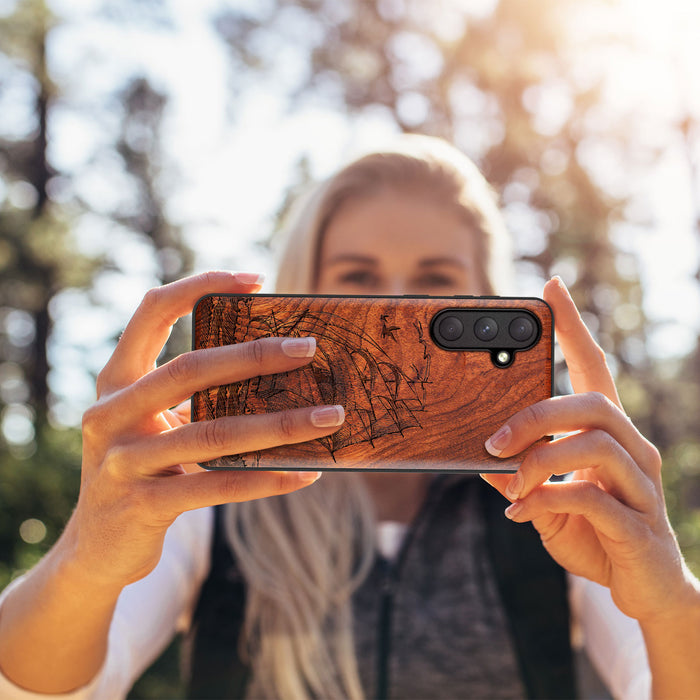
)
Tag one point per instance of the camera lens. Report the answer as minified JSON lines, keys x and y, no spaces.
{"x":451,"y":328}
{"x":521,"y":328}
{"x":485,"y":328}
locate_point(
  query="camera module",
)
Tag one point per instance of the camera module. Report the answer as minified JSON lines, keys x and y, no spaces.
{"x":451,"y":328}
{"x":485,"y":329}
{"x":502,"y":332}
{"x":521,"y":328}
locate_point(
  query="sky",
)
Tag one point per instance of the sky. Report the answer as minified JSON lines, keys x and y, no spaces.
{"x":232,"y":169}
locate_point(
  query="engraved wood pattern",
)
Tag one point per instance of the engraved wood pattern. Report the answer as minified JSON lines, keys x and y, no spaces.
{"x":409,"y":404}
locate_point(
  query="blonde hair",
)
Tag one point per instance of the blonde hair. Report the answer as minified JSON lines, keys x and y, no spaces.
{"x":415,"y":164}
{"x":304,"y":554}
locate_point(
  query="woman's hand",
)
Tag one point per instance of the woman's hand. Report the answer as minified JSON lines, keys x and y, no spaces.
{"x":139,"y":457}
{"x":608,"y":524}
{"x":139,"y":473}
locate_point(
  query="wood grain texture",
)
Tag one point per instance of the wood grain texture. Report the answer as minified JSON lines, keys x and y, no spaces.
{"x":409,"y":404}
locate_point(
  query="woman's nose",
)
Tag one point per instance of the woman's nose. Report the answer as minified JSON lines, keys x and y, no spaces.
{"x":398,"y":287}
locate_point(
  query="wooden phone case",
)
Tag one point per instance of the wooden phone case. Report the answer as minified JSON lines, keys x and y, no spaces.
{"x":409,"y":404}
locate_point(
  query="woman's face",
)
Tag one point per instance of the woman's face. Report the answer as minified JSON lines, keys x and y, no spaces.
{"x":398,"y":243}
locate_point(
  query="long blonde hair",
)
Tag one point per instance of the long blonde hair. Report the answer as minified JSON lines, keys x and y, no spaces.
{"x":305,"y":553}
{"x":416,"y":164}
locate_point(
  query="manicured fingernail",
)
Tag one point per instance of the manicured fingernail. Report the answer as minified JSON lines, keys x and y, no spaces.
{"x":250,"y":277}
{"x":309,"y":477}
{"x":560,"y":282}
{"x":515,"y":486}
{"x":513,"y":509}
{"x":299,"y":347}
{"x":498,"y":441}
{"x":328,"y":416}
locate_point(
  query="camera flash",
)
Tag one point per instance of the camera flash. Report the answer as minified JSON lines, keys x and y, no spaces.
{"x":503,"y":357}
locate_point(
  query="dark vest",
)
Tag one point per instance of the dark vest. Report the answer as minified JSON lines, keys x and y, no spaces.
{"x":531,"y":585}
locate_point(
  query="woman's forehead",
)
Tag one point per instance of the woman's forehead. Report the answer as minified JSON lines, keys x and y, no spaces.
{"x":396,"y":224}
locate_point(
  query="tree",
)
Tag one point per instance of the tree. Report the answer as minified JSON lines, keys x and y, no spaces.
{"x":38,"y":256}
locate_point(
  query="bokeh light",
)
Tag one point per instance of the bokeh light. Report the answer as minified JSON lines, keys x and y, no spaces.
{"x":32,"y":531}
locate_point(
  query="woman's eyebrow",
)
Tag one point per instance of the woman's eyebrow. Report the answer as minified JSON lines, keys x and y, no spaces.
{"x":352,"y":258}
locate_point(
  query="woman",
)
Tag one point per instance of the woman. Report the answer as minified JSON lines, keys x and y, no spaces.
{"x":296,"y":576}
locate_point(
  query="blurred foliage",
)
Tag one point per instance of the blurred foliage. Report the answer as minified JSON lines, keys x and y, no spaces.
{"x":505,"y":85}
{"x":42,"y":487}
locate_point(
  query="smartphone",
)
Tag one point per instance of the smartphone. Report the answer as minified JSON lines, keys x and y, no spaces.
{"x":424,"y":380}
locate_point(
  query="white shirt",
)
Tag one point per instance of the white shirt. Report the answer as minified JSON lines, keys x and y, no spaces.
{"x":152,"y":610}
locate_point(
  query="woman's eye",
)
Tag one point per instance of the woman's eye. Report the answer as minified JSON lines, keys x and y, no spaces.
{"x":435,"y":281}
{"x":360,"y":278}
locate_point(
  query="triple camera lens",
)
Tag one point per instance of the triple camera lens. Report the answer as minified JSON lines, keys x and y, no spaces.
{"x":479,"y":329}
{"x":501,"y":332}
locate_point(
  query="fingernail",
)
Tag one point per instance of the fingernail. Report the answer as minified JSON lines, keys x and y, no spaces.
{"x":299,"y":347}
{"x":309,"y":477}
{"x":513,"y":509}
{"x":515,"y":486}
{"x":328,"y":416}
{"x":560,"y":282}
{"x":249,"y":277}
{"x":498,"y":441}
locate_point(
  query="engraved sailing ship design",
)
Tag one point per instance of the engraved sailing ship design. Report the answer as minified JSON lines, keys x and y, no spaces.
{"x":350,"y":368}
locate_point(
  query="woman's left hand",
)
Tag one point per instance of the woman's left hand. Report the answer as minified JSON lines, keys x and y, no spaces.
{"x":609,"y":524}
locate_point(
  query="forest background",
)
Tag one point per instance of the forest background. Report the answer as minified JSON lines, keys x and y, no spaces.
{"x":141,"y":140}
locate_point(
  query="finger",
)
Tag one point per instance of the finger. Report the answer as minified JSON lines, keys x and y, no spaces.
{"x":606,"y":514}
{"x":177,"y":416}
{"x":207,"y":440}
{"x":182,"y":413}
{"x":593,"y":450}
{"x":194,"y":371}
{"x":585,"y":359}
{"x":183,"y":492}
{"x":565,"y":414}
{"x":149,"y":327}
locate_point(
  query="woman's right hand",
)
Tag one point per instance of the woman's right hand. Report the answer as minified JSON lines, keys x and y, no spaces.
{"x":139,"y":460}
